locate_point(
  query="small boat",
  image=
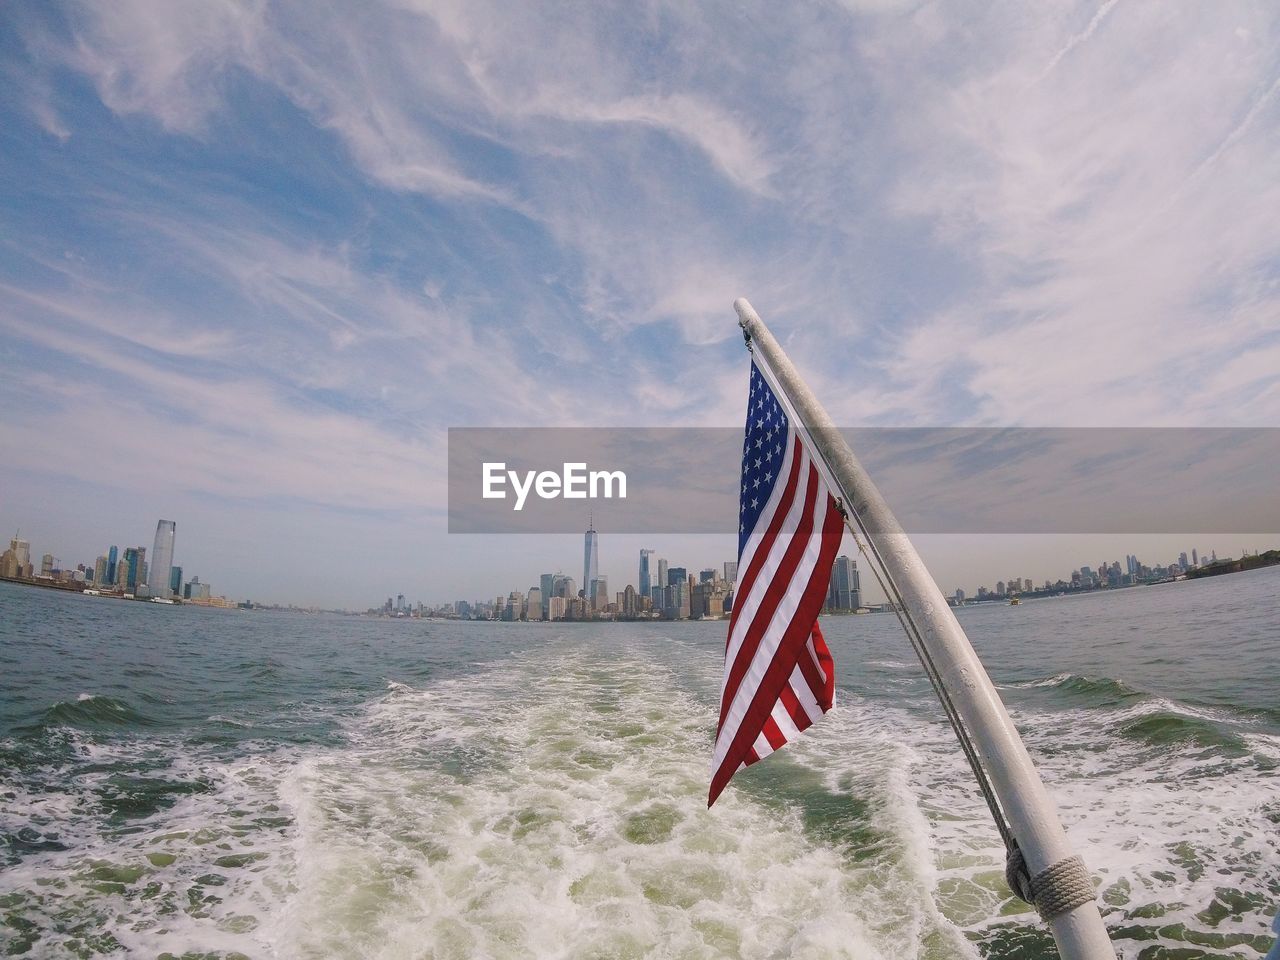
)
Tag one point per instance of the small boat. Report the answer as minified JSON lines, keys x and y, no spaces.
{"x":1014,"y":601}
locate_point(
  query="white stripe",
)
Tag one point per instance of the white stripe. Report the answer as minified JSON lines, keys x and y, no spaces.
{"x":768,"y":647}
{"x":808,"y":702}
{"x":786,"y":725}
{"x":762,"y":746}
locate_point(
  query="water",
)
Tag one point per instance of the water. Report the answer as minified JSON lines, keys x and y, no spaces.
{"x":179,"y":782}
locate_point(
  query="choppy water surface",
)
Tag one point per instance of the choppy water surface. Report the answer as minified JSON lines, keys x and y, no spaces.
{"x":185,"y":782}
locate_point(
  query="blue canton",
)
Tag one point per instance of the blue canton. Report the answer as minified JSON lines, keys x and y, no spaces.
{"x":762,"y":451}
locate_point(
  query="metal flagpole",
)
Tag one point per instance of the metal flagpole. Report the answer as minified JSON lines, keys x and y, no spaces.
{"x":1059,"y":886}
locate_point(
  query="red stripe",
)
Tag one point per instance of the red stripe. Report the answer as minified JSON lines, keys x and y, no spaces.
{"x":743,"y":586}
{"x":819,"y":673}
{"x":827,"y":695}
{"x":777,"y":589}
{"x":793,"y":639}
{"x":795,"y":709}
{"x":772,"y":733}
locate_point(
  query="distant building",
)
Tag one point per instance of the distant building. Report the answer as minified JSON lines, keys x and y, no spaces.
{"x":676,"y":597}
{"x":590,"y":562}
{"x":645,"y":580}
{"x":133,"y":560}
{"x":546,"y":589}
{"x":534,"y":608}
{"x":162,"y":558}
{"x":556,"y":608}
{"x":16,"y":562}
{"x":731,"y":571}
{"x":844,"y":589}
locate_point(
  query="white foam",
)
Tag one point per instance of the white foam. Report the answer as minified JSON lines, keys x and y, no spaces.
{"x":553,"y":804}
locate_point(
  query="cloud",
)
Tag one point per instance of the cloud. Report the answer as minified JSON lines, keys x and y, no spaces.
{"x":1114,"y":265}
{"x":169,"y":62}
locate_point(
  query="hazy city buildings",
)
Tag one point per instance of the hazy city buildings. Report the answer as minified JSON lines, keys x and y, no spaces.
{"x":112,"y":573}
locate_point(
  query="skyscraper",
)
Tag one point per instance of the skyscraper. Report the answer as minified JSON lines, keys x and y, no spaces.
{"x":844,"y":592}
{"x":162,"y":558}
{"x":16,"y":559}
{"x":133,"y":563}
{"x":590,"y":562}
{"x":113,"y":558}
{"x":645,"y":580}
{"x":547,"y":589}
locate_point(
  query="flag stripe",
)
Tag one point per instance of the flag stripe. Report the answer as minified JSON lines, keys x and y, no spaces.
{"x":795,"y":709}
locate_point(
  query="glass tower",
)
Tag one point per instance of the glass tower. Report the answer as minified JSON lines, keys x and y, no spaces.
{"x":162,"y":558}
{"x":646,"y":581}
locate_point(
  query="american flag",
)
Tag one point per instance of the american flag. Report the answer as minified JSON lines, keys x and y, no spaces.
{"x":778,"y":674}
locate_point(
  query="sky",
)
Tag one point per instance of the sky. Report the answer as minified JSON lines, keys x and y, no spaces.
{"x":257,"y":257}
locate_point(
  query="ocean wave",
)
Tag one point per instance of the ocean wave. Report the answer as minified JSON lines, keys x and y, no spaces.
{"x":1167,"y":727}
{"x":95,"y":712}
{"x":1083,"y":686}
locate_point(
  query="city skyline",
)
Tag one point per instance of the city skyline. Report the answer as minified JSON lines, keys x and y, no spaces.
{"x":951,"y":559}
